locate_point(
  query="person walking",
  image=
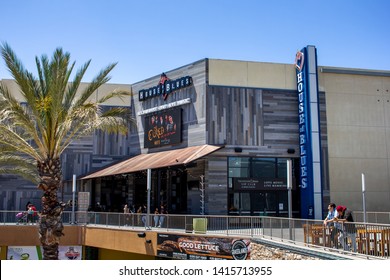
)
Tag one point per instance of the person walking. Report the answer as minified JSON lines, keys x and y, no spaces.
{"x":30,"y":214}
{"x":28,"y":205}
{"x":98,"y":209}
{"x":348,"y":227}
{"x":143,"y":216}
{"x":163,"y":213}
{"x":156,"y":217}
{"x":139,"y":212}
{"x":126,"y":212}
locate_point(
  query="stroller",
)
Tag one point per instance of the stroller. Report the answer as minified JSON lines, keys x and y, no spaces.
{"x":21,"y":217}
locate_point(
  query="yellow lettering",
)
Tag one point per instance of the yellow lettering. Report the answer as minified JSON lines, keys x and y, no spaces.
{"x":155,"y":132}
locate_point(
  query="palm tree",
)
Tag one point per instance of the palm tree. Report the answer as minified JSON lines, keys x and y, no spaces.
{"x":56,"y":112}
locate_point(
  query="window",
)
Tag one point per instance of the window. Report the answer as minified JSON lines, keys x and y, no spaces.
{"x":263,"y":168}
{"x":246,"y":167}
{"x":249,"y":191}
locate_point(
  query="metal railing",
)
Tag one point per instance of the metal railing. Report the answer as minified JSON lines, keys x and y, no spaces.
{"x":371,"y":239}
{"x":372,"y":217}
{"x":88,"y":217}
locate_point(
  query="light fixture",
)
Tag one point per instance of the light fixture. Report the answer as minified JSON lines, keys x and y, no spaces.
{"x":291,"y":151}
{"x":141,"y":234}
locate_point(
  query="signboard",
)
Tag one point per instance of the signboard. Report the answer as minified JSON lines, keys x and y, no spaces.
{"x":164,"y":87}
{"x":70,"y":253}
{"x":83,"y":202}
{"x":24,"y":253}
{"x":309,"y":133}
{"x":304,"y":118}
{"x":163,"y":128}
{"x":259,"y":184}
{"x":202,"y":248}
{"x":165,"y":106}
{"x":36,"y":252}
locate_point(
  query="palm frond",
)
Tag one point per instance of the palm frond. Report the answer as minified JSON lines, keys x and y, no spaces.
{"x":15,"y":159}
{"x":27,"y":174}
{"x":17,"y":164}
{"x":14,"y":118}
{"x":114,"y":94}
{"x":74,"y":86}
{"x":97,"y":82}
{"x":15,"y":141}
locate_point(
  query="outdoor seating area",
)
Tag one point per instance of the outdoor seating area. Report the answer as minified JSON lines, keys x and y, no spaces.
{"x":370,"y":239}
{"x":373,"y":240}
{"x":317,"y":234}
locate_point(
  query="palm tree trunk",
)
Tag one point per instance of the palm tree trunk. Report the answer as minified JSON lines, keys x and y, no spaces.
{"x":50,"y":220}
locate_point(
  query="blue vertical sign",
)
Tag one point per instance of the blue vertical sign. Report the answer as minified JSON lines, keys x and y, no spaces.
{"x":309,"y":134}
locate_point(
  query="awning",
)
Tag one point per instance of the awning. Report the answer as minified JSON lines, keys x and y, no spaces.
{"x":156,"y":160}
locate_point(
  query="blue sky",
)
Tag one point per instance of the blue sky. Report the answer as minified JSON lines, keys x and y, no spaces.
{"x":148,"y":37}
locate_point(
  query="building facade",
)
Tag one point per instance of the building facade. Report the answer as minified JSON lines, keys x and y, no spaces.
{"x":216,"y":136}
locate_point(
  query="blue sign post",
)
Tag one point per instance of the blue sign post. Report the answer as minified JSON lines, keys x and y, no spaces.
{"x":309,"y":133}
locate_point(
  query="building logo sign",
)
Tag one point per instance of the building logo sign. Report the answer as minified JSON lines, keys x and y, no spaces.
{"x":302,"y":117}
{"x":309,"y":133}
{"x":299,"y":60}
{"x":165,"y":87}
{"x":239,"y":250}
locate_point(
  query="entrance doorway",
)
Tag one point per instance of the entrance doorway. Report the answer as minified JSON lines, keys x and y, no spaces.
{"x":169,"y":187}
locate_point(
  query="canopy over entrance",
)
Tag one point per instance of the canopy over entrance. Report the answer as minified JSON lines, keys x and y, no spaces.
{"x":156,"y":160}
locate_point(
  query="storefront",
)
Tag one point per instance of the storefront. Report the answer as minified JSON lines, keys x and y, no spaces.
{"x":250,"y":132}
{"x":176,"y":180}
{"x":216,"y":135}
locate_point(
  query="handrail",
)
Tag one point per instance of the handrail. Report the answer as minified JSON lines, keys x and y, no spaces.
{"x":370,"y":238}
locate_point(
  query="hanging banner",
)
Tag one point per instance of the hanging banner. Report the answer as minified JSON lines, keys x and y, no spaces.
{"x":202,"y":248}
{"x":36,"y":252}
{"x":24,"y":253}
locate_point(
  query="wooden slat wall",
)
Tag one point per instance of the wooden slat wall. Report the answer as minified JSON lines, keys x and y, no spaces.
{"x":216,"y":185}
{"x":252,"y":117}
{"x":263,"y":122}
{"x":193,"y":118}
